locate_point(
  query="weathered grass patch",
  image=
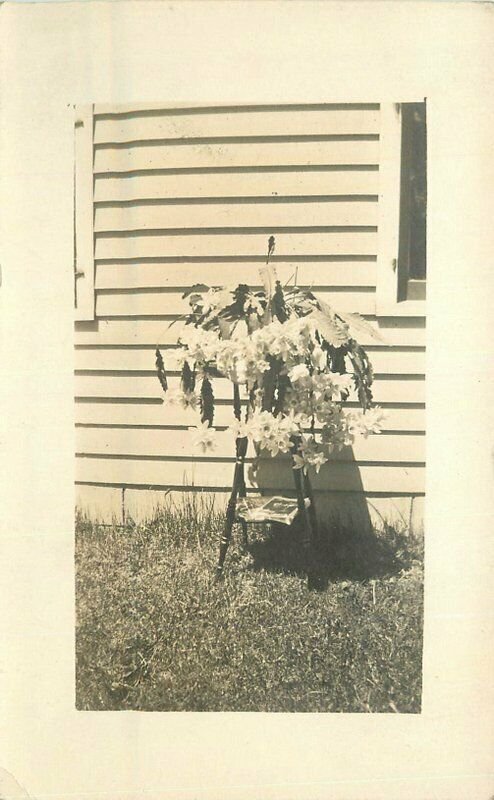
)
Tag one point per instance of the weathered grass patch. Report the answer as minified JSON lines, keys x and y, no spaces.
{"x":153,"y":632}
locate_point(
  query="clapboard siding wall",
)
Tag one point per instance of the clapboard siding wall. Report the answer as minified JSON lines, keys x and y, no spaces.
{"x":192,"y":194}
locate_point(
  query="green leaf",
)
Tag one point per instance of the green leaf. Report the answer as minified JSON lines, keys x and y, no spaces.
{"x":160,"y":367}
{"x":224,"y":327}
{"x":236,"y":310}
{"x":237,"y":407}
{"x":195,"y":299}
{"x":337,"y":356}
{"x":268,"y":279}
{"x":363,"y":374}
{"x":207,"y":401}
{"x":188,"y":379}
{"x":358,"y":326}
{"x":278,"y":305}
{"x":332,"y":330}
{"x":196,"y":288}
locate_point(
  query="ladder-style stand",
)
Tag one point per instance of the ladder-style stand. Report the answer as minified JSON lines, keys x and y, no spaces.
{"x":306,"y":513}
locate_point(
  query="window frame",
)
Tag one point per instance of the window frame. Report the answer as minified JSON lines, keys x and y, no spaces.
{"x":390,"y":203}
{"x":84,"y":297}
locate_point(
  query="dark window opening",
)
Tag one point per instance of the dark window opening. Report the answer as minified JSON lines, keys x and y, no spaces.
{"x":413,"y":203}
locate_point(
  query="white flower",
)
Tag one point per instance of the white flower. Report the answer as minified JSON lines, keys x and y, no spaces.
{"x":202,"y":346}
{"x":370,"y":421}
{"x":239,"y":429}
{"x":272,"y":433}
{"x":317,"y":460}
{"x":189,"y":400}
{"x":309,"y":455}
{"x":338,"y":430}
{"x":292,"y":422}
{"x":261,"y":425}
{"x":322,"y":386}
{"x":299,"y":374}
{"x":280,"y":441}
{"x":300,"y":462}
{"x":285,"y":340}
{"x":205,"y":437}
{"x":319,"y":358}
{"x":262,"y":365}
{"x":323,"y":409}
{"x":209,"y":301}
{"x":311,"y":452}
{"x":240,"y":360}
{"x":298,"y":403}
{"x":183,"y":399}
{"x":239,"y":372}
{"x":215,"y":299}
{"x":341,"y":384}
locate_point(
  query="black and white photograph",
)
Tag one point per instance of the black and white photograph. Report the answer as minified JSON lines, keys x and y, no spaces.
{"x":250,"y":406}
{"x":246,"y":349}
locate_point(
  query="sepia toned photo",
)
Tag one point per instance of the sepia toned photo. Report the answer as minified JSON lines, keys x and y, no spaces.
{"x":246,"y":343}
{"x":250,"y":406}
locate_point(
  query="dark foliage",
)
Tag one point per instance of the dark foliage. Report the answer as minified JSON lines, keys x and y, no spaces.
{"x":160,"y":368}
{"x":207,"y":401}
{"x":188,"y":378}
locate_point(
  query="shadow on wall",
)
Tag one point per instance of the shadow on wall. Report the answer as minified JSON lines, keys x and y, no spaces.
{"x":349,"y":546}
{"x":338,"y":487}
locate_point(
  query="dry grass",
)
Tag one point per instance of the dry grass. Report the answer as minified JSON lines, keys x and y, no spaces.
{"x":153,"y":632}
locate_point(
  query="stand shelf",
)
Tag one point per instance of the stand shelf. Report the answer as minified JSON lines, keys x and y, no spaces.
{"x":304,"y":509}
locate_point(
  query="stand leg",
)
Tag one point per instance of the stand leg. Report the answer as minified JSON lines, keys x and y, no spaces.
{"x":242,"y":492}
{"x":316,"y":579}
{"x":312,"y":509}
{"x":307,"y":531}
{"x":232,"y":504}
{"x":227,"y":530}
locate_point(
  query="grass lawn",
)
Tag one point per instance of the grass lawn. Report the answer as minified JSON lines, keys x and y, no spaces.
{"x":154,"y":633}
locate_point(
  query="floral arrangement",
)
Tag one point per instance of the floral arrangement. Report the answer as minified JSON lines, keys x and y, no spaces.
{"x":293,"y":362}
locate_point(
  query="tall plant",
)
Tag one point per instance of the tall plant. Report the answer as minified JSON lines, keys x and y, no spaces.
{"x":294,"y":362}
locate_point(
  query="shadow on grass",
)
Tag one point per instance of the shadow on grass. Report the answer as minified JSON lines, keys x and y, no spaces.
{"x":343,"y":552}
{"x":153,"y":633}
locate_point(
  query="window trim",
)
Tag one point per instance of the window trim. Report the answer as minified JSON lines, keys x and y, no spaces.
{"x":387,"y":303}
{"x":84,"y":299}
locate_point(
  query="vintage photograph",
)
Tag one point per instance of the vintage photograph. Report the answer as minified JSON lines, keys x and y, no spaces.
{"x":250,"y":294}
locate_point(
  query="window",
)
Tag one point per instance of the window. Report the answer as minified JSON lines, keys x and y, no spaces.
{"x":413,"y":203}
{"x":401,"y":275}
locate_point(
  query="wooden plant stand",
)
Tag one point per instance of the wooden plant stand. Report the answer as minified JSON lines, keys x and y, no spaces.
{"x":306,"y":512}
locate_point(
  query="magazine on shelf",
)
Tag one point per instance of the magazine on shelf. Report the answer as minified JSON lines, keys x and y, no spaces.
{"x":268,"y":509}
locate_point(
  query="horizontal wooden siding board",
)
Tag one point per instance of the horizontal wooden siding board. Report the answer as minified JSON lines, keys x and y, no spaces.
{"x":151,"y":303}
{"x":399,"y":390}
{"x":162,"y":472}
{"x":139,"y":157}
{"x":248,"y":242}
{"x":209,"y":215}
{"x":156,"y":414}
{"x":400,"y":332}
{"x":259,"y":123}
{"x":155,"y":275}
{"x":139,"y":359}
{"x":110,"y":110}
{"x":158,"y":186}
{"x":180,"y":442}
